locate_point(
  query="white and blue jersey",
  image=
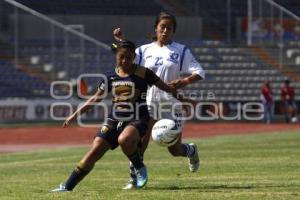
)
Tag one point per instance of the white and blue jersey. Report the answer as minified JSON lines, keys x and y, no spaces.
{"x":168,"y":62}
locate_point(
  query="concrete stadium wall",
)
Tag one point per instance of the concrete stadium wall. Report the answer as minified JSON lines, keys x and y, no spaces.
{"x":22,"y":110}
{"x":135,"y":27}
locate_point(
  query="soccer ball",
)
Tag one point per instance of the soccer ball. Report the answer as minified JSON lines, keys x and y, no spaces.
{"x":165,"y":132}
{"x":294,"y":120}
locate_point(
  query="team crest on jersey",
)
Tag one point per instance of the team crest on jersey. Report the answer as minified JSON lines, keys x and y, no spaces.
{"x":173,"y":57}
{"x":123,"y":90}
{"x":104,"y":129}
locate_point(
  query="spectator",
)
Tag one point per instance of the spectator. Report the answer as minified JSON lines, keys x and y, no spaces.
{"x":288,"y":101}
{"x":296,"y":32}
{"x":278,"y":31}
{"x":267,"y":100}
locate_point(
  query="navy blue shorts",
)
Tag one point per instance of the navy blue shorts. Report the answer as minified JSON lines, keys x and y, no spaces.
{"x":113,"y":128}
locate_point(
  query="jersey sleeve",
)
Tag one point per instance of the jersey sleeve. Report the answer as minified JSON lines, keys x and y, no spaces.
{"x":190,"y":65}
{"x":150,"y":77}
{"x":138,"y":56}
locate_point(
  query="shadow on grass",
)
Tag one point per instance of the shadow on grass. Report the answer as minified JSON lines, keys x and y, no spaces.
{"x":205,"y":187}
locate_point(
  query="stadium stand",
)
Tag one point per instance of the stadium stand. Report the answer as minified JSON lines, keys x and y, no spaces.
{"x":16,"y":83}
{"x":94,"y":58}
{"x":98,"y":7}
{"x":235,"y":72}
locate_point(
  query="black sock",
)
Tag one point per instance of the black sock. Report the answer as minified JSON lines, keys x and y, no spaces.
{"x":76,"y":176}
{"x":132,"y":172}
{"x":188,"y":150}
{"x":140,"y":151}
{"x":136,"y":160}
{"x":132,"y":169}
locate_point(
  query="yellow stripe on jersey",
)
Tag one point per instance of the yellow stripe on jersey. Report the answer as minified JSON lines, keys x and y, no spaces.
{"x":140,"y":71}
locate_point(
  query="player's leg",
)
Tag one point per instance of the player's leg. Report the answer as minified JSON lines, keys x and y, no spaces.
{"x":153,"y":109}
{"x":142,"y":148}
{"x":268,"y":113}
{"x":265,"y":106}
{"x":177,"y":149}
{"x":106,"y":139}
{"x":128,"y":140}
{"x":293,"y":108}
{"x":181,"y":149}
{"x":294,"y":111}
{"x":186,"y":150}
{"x":98,"y":149}
{"x":143,"y":145}
{"x":286,"y":111}
{"x":146,"y":137}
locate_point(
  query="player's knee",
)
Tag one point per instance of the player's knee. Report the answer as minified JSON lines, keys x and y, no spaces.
{"x":127,"y":140}
{"x":122,"y":139}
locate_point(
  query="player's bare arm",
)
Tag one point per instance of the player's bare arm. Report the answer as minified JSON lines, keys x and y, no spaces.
{"x":180,"y":83}
{"x":171,"y":89}
{"x":87,"y":105}
{"x":167,"y":88}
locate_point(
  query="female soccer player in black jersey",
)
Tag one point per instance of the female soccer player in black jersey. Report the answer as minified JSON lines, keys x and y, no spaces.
{"x":127,"y":121}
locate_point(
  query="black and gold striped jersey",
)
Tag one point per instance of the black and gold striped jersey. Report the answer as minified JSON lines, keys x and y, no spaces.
{"x":129,"y":93}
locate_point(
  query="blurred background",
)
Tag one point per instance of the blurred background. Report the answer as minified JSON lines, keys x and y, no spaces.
{"x":46,"y":45}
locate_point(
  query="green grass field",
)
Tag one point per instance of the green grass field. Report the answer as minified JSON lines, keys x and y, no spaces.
{"x":264,"y":166}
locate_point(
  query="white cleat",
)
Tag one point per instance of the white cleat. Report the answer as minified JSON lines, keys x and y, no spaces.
{"x":61,"y":188}
{"x":131,"y":185}
{"x":194,"y":162}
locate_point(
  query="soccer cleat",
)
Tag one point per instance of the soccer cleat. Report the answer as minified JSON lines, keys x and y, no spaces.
{"x":141,"y":177}
{"x":132,"y":180}
{"x":194,"y":161}
{"x":130,"y":185}
{"x":61,"y":188}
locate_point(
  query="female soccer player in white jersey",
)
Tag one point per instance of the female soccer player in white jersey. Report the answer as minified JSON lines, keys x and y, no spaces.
{"x":168,"y":59}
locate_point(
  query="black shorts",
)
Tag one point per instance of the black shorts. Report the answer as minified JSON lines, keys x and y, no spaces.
{"x":113,"y":128}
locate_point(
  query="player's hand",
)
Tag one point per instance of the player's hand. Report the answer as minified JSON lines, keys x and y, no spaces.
{"x":179,"y":83}
{"x":68,"y":121}
{"x":173,"y":90}
{"x":118,"y":35}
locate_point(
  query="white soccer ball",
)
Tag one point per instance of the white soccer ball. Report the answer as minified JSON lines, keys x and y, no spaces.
{"x":165,"y":132}
{"x":294,"y":120}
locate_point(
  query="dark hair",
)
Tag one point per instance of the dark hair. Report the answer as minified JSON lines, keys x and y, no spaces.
{"x":165,"y":15}
{"x":123,"y":44}
{"x":287,"y":81}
